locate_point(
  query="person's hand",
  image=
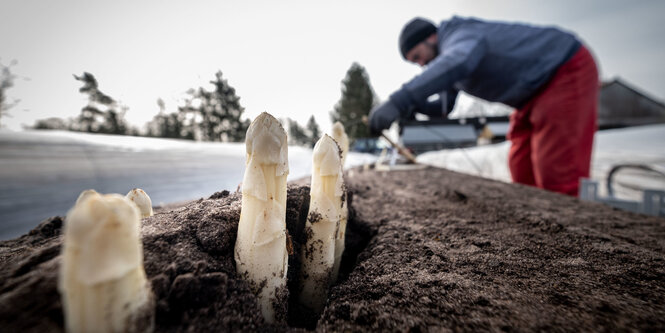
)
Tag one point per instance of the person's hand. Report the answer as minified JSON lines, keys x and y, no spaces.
{"x":382,"y":116}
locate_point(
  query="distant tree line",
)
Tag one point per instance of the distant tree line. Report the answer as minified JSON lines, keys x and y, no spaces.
{"x":207,"y":114}
{"x":213,"y":113}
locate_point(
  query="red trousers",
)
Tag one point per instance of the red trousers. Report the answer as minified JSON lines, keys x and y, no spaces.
{"x":552,"y":136}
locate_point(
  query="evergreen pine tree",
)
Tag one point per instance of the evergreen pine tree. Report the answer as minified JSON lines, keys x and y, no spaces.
{"x":313,"y":129}
{"x":169,"y":125}
{"x":6,"y":81}
{"x":297,"y":134}
{"x":101,"y":114}
{"x":217,"y":113}
{"x":356,"y":102}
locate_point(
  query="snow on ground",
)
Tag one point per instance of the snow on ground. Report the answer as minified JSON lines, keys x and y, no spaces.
{"x":490,"y":161}
{"x":635,"y":145}
{"x":43,"y":172}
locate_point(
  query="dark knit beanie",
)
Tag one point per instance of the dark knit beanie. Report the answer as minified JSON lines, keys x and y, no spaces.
{"x":414,"y":32}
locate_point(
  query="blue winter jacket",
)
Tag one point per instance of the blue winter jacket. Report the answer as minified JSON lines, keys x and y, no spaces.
{"x":498,"y":62}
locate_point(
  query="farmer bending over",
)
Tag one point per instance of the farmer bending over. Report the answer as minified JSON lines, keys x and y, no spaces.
{"x":543,"y":72}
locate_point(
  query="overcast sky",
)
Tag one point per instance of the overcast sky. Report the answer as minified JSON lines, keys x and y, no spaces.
{"x":284,"y":57}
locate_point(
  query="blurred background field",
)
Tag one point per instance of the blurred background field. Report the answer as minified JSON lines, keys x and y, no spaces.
{"x":43,"y":172}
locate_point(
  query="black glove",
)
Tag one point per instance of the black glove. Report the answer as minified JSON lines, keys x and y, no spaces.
{"x":382,"y":116}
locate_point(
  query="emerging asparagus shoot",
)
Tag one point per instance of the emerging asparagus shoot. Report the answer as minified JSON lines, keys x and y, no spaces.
{"x":102,"y":280}
{"x":142,"y":201}
{"x":342,"y":140}
{"x":322,"y":224}
{"x":85,"y":194}
{"x":260,"y":251}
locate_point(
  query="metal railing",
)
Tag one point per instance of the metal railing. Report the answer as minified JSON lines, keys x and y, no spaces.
{"x":653,"y":201}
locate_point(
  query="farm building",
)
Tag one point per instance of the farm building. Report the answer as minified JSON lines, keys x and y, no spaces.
{"x":622,"y":105}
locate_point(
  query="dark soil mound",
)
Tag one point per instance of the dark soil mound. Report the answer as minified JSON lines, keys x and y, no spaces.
{"x":427,"y":250}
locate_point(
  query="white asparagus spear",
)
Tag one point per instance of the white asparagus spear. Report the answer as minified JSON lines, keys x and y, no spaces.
{"x":342,"y":140}
{"x":260,"y":251}
{"x":85,"y":195}
{"x":102,"y":280}
{"x":318,"y":255}
{"x":142,"y":201}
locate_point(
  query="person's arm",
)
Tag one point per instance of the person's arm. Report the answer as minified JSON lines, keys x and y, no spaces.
{"x":451,"y":99}
{"x":458,"y":58}
{"x":432,"y":109}
{"x":440,"y":107}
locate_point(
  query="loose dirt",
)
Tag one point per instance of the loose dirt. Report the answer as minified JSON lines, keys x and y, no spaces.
{"x":427,"y":250}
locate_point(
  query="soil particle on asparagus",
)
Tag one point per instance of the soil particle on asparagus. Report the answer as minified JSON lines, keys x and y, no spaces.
{"x":314,"y":217}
